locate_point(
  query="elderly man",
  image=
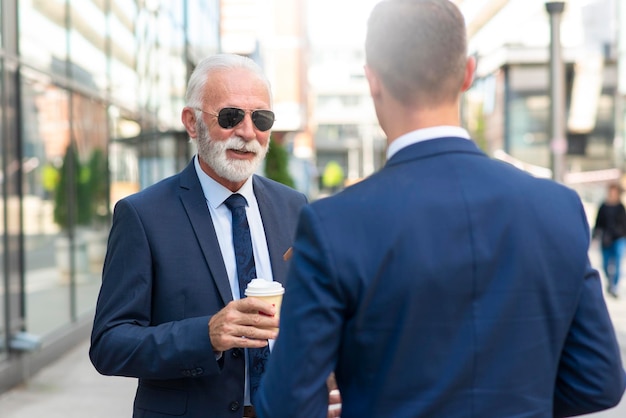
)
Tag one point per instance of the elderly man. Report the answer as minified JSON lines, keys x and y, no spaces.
{"x":171,"y":309}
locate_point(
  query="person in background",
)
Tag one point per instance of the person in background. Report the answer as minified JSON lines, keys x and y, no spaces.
{"x":171,"y":311}
{"x":447,"y":284}
{"x":610,"y":228}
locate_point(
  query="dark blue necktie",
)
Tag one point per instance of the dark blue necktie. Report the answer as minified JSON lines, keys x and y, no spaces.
{"x":246,"y":271}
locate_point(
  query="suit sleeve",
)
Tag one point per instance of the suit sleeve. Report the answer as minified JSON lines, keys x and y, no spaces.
{"x":310,"y":331}
{"x":590,"y":376}
{"x":123,"y":340}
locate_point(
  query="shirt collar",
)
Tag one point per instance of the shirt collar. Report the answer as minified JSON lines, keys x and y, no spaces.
{"x":214,"y":193}
{"x":425,"y":134}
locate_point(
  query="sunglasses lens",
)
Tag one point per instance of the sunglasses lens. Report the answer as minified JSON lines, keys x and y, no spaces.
{"x":229,"y":117}
{"x":263,"y":119}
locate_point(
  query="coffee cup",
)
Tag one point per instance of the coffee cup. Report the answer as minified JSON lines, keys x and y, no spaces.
{"x":269,"y":291}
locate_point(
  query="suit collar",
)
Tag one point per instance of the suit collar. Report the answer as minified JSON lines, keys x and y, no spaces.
{"x":215,"y":193}
{"x":425,"y":134}
{"x":271,"y":224}
{"x":194,"y":202}
{"x":192,"y":198}
{"x":433,"y":147}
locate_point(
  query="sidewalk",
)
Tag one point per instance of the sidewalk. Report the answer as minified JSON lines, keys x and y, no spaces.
{"x":71,"y":387}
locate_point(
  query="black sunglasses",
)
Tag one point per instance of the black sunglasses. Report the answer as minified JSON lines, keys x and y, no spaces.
{"x":229,"y":117}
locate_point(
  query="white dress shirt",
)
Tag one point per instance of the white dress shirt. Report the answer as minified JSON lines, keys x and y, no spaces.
{"x":425,"y":134}
{"x":215,"y":195}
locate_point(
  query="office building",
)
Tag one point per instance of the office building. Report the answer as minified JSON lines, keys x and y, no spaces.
{"x":508,"y":109}
{"x":91,"y":93}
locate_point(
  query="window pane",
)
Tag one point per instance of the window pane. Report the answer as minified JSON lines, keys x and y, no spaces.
{"x":90,"y":134}
{"x":124,"y":49}
{"x":3,"y":292}
{"x":42,"y":35}
{"x":45,"y":135}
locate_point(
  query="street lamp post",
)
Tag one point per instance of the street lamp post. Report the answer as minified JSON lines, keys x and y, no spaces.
{"x":558,"y":142}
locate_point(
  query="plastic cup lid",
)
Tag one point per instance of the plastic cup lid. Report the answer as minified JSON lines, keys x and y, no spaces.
{"x":262,"y":287}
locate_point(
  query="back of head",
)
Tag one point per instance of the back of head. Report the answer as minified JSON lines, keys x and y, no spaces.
{"x":418,"y":48}
{"x":218,"y":62}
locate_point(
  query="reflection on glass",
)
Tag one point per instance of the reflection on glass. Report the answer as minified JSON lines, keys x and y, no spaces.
{"x":203,"y":36}
{"x":124,"y":79}
{"x":45,"y":128}
{"x":90,"y":135}
{"x":3,"y":291}
{"x":42,"y":35}
{"x":88,"y":44}
{"x":100,"y":81}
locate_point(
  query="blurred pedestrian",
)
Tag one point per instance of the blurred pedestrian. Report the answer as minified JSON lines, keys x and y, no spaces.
{"x":610,"y":228}
{"x":448,"y":284}
{"x":171,"y":311}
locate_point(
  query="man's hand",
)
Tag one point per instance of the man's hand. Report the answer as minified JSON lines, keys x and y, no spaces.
{"x":244,"y":323}
{"x":334,"y":397}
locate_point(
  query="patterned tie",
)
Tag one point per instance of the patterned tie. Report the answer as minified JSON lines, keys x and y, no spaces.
{"x":246,"y":271}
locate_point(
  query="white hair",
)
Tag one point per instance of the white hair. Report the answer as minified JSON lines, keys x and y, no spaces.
{"x":199,"y":76}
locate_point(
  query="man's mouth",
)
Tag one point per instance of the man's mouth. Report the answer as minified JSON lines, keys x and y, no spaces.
{"x":241,"y":151}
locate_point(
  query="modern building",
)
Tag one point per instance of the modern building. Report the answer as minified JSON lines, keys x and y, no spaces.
{"x":274,"y":33}
{"x":343,"y":121}
{"x":91,"y":95}
{"x":90,"y":100}
{"x":508,"y":110}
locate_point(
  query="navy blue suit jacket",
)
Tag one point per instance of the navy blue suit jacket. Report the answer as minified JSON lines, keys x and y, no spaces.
{"x":446,"y":285}
{"x":163,"y":279}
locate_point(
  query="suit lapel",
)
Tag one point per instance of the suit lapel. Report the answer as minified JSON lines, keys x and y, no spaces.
{"x":192,"y":198}
{"x":276,"y":243}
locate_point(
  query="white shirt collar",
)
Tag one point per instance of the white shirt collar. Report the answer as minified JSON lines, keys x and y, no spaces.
{"x":215,"y":193}
{"x":425,"y":134}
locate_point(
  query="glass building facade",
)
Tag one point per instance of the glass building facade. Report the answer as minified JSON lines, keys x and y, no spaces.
{"x":91,"y":93}
{"x":508,"y":109}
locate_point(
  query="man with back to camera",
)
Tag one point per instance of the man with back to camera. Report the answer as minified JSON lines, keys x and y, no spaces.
{"x":169,"y":310}
{"x":448,"y":284}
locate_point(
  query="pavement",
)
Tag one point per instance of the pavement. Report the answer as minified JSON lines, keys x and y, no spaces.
{"x":71,"y":387}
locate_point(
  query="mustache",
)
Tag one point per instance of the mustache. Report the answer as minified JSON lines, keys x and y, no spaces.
{"x":239,"y":144}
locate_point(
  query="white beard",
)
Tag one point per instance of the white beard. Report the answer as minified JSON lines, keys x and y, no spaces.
{"x":214,"y":154}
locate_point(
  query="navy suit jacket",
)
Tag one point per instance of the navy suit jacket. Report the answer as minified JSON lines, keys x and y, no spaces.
{"x":163,"y":279}
{"x":446,"y":285}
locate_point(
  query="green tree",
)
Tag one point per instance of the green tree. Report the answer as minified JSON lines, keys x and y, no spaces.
{"x":277,"y":164}
{"x":73,"y":185}
{"x":98,"y":184}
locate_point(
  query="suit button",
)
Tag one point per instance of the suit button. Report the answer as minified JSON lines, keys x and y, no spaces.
{"x":236,"y":352}
{"x":234,"y":405}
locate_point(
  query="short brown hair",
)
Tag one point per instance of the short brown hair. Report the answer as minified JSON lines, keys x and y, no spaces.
{"x":418,"y":48}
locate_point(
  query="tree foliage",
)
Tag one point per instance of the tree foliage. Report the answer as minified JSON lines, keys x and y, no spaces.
{"x":277,"y":164}
{"x":86,"y":185}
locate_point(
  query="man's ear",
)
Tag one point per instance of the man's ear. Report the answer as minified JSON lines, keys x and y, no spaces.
{"x":373,"y":81}
{"x":470,"y":69}
{"x":188,"y":117}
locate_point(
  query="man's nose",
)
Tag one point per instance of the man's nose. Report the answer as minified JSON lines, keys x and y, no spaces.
{"x":245,"y":129}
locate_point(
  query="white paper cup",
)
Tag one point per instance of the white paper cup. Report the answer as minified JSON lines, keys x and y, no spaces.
{"x":269,"y":291}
